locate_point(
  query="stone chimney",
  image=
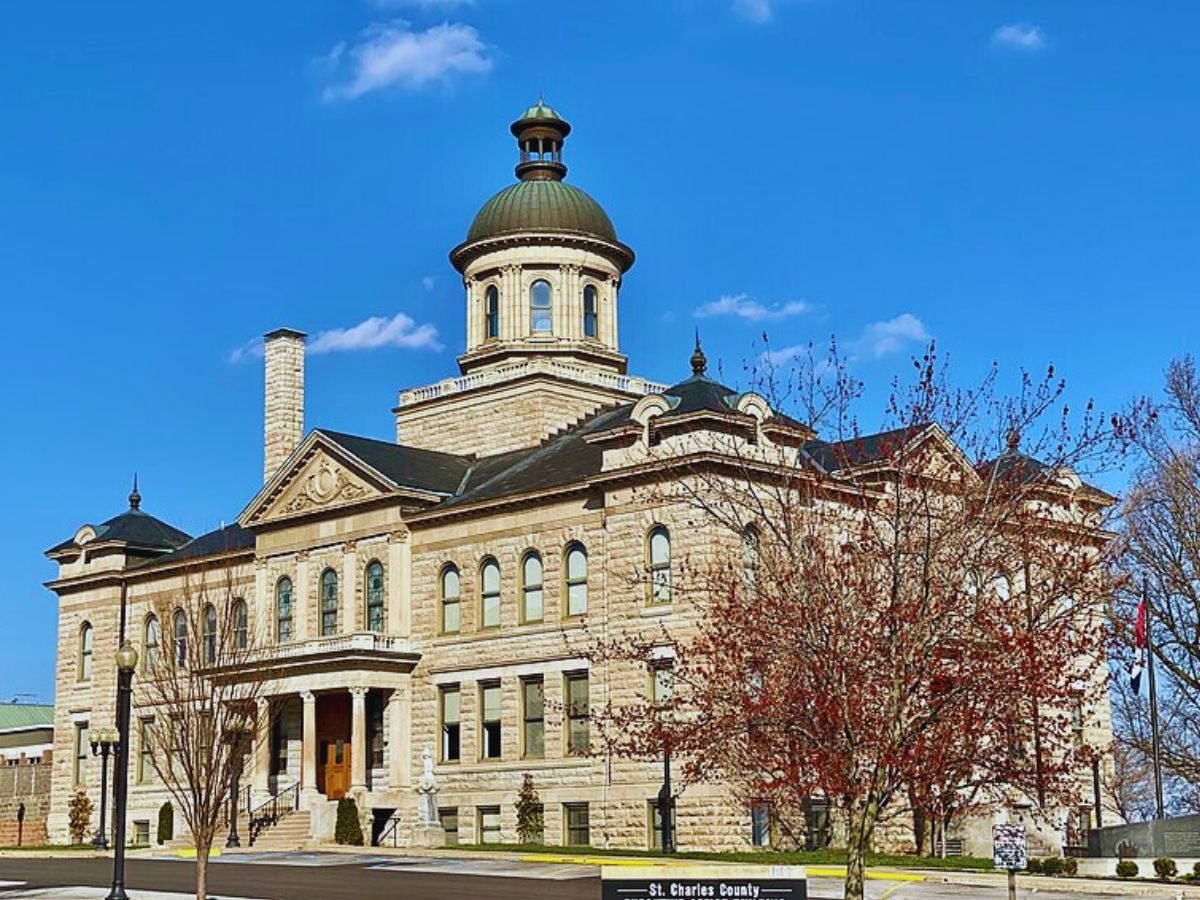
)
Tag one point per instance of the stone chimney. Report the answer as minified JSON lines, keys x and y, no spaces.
{"x":284,"y":421}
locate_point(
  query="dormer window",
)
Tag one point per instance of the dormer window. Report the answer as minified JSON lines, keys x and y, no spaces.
{"x":590,"y":319}
{"x":491,"y":321}
{"x":541,"y":318}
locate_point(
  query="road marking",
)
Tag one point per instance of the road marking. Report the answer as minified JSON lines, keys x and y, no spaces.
{"x":889,"y":892}
{"x":9,"y":884}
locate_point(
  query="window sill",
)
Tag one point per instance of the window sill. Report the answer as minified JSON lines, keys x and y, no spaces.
{"x":575,"y":622}
{"x":658,"y":609}
{"x":508,"y":765}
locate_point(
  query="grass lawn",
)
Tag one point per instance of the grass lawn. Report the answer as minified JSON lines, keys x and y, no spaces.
{"x":761,"y":857}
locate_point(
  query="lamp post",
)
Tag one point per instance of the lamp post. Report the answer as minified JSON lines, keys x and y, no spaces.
{"x":126,"y":664}
{"x":666,"y":803}
{"x":237,"y":740}
{"x":104,"y":744}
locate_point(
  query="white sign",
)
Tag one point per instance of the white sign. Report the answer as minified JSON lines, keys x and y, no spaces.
{"x":1009,"y":848}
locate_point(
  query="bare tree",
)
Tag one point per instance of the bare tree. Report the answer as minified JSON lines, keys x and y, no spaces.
{"x":914,"y":613}
{"x":205,"y":717}
{"x":1161,"y":552}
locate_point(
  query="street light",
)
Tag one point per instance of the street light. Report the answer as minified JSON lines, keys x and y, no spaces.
{"x":104,"y":743}
{"x":126,"y":664}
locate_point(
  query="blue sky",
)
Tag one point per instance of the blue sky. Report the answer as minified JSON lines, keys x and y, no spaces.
{"x":1017,"y":179}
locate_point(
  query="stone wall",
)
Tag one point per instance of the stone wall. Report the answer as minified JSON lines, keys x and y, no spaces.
{"x":28,"y":784}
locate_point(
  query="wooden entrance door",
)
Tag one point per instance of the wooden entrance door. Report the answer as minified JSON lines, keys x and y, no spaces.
{"x":336,"y":758}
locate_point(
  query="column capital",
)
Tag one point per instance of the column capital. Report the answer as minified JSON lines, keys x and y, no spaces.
{"x":359,"y":691}
{"x":399,"y":536}
{"x":349,"y":546}
{"x":301,"y":556}
{"x":264,"y":705}
{"x":308,"y":696}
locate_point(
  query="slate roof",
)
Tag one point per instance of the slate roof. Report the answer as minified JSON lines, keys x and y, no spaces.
{"x":699,"y":393}
{"x":833,"y":456}
{"x":229,"y":539}
{"x":21,"y":716}
{"x":412,"y":467}
{"x":1014,"y":467}
{"x":137,"y":528}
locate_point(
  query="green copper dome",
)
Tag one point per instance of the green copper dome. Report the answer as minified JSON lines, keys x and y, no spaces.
{"x":542,"y":206}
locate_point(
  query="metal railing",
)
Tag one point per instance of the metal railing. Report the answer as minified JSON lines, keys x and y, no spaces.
{"x":268,"y":813}
{"x":368,"y":641}
{"x":393,"y":827}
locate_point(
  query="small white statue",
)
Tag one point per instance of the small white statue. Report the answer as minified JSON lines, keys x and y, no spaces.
{"x":427,"y":808}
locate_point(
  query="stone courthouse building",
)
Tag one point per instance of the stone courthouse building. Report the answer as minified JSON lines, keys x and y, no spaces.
{"x":440,"y":591}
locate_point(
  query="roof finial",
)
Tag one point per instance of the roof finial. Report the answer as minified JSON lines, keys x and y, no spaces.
{"x":135,"y":499}
{"x":699,"y":360}
{"x":1014,"y":440}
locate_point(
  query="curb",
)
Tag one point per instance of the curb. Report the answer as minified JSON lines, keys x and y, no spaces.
{"x":1076,"y":885}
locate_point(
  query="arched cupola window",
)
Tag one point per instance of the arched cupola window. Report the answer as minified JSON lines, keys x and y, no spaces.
{"x":541,"y":316}
{"x":591,"y":319}
{"x":491,"y":319}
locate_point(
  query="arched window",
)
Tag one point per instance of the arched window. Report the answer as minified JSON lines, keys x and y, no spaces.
{"x":532,"y":605}
{"x":85,"y":652}
{"x":489,"y":593}
{"x":451,"y":600}
{"x":658,"y":552}
{"x":241,"y":625}
{"x":577,"y":576}
{"x":541,"y":317}
{"x":208,"y":634}
{"x":491,"y":319}
{"x":751,"y":554}
{"x":375,"y":597}
{"x":590,"y":318}
{"x":283,"y":610}
{"x":151,"y":639}
{"x":179,"y":627}
{"x":329,"y":602}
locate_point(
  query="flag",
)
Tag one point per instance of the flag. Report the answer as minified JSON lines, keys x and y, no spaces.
{"x":1139,"y":648}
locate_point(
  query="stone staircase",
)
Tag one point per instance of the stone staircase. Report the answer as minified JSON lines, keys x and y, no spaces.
{"x":291,"y":832}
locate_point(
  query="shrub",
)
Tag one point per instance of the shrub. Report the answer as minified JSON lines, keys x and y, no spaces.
{"x":1196,"y":870}
{"x":166,"y":822}
{"x":1033,"y":866}
{"x":531,"y":826}
{"x":1052,"y":865}
{"x":80,"y":817}
{"x":1164,"y":867}
{"x":348,"y":830}
{"x":1127,"y":868}
{"x":1070,"y":866}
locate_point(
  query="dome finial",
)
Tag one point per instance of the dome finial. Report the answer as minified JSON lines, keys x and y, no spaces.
{"x":135,"y":499}
{"x":699,"y":360}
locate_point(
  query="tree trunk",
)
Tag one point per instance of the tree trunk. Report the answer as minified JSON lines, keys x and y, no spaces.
{"x":203,"y":848}
{"x":863,"y":814}
{"x":919,"y":820}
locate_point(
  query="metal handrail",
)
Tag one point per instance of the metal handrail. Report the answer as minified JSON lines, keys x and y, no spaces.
{"x":268,"y":813}
{"x":393,"y":825}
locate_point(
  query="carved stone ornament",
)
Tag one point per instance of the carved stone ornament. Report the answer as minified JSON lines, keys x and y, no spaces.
{"x":427,"y":807}
{"x":325,"y":484}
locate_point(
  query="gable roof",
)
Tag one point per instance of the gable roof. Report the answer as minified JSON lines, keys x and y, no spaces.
{"x":228,"y":539}
{"x":413,"y":467}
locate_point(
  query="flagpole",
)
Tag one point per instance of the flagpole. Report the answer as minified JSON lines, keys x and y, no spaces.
{"x":1158,"y":783}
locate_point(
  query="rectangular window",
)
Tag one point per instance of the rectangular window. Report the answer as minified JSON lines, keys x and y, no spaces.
{"x":489,"y":704}
{"x":145,"y":761}
{"x":578,"y":832}
{"x":449,"y":818}
{"x":578,"y":713}
{"x":82,"y":749}
{"x":533,"y":714}
{"x":141,"y":833}
{"x":451,"y":723}
{"x":662,"y":682}
{"x":818,"y":831}
{"x":489,"y":824}
{"x":654,"y":815}
{"x":760,"y":824}
{"x":375,"y":729}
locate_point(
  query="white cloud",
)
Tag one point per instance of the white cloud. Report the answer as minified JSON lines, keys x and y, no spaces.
{"x":884,"y":338}
{"x":756,"y":11}
{"x":1019,"y":36}
{"x":877,"y":340}
{"x":252,"y":349}
{"x":393,"y":55}
{"x":378,"y":331}
{"x":428,"y":282}
{"x":743,"y":306}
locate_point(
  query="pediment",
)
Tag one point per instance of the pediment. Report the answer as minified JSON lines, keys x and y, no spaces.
{"x":317,"y":481}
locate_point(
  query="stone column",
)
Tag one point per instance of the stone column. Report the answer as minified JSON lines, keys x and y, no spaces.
{"x":358,"y":739}
{"x":400,"y":737}
{"x":262,"y":611}
{"x":349,"y":587}
{"x":261,"y":781}
{"x":608,"y":330}
{"x":308,"y":746}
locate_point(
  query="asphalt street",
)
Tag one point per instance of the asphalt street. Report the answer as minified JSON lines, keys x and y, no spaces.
{"x":331,"y":876}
